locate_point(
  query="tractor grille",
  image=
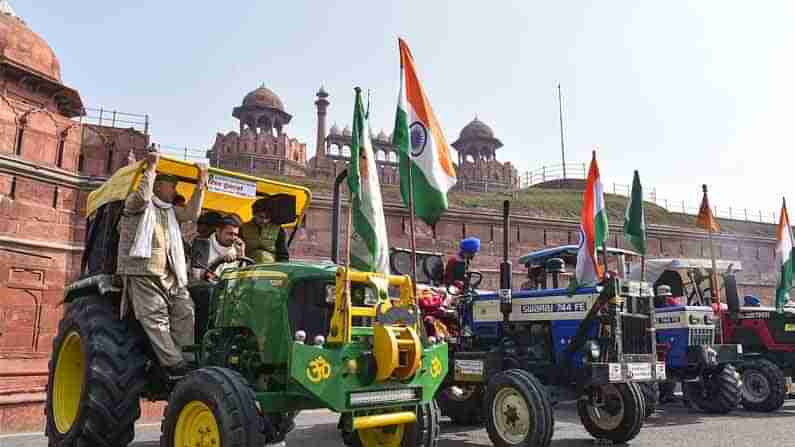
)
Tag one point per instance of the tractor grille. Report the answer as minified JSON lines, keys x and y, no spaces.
{"x":700,"y":336}
{"x":635,"y":333}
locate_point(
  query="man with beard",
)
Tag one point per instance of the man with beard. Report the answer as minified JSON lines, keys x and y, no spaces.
{"x":151,"y":262}
{"x":225,"y":244}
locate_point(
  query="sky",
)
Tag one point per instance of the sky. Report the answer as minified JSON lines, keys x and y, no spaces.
{"x":687,"y":92}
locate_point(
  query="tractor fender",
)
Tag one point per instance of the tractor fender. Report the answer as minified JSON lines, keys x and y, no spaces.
{"x":100,"y":285}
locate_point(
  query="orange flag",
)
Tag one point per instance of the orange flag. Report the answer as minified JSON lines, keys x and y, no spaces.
{"x":705,"y":218}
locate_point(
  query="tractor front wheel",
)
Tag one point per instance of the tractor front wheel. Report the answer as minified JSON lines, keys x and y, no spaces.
{"x":651,"y":396}
{"x":422,"y":433}
{"x":97,"y":373}
{"x":463,"y":404}
{"x":764,"y":386}
{"x":517,"y":410}
{"x":614,"y":411}
{"x":717,"y":392}
{"x":214,"y":407}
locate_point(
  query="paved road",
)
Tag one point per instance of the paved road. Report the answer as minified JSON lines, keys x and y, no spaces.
{"x":673,"y":426}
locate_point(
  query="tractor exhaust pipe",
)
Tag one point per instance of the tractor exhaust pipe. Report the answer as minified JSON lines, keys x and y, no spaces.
{"x":335,"y":217}
{"x":506,"y":302}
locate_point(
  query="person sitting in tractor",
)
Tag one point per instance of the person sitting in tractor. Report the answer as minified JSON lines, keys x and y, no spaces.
{"x":458,"y":263}
{"x":207,"y":223}
{"x":265,"y":241}
{"x":151,"y":263}
{"x":225,"y":244}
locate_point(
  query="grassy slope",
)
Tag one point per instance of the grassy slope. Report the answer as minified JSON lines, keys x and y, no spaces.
{"x":538,"y":202}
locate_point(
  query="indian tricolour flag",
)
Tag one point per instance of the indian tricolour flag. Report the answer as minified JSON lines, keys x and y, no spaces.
{"x":369,"y":249}
{"x":784,"y":259}
{"x":593,"y":228}
{"x":422,"y":146}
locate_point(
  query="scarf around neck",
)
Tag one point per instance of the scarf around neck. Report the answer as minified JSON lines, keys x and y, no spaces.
{"x":142,"y":244}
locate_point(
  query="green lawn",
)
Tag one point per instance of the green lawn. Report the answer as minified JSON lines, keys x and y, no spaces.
{"x":542,"y":202}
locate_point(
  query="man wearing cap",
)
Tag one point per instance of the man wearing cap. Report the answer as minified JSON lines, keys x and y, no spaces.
{"x":151,"y":261}
{"x":456,"y":265}
{"x":265,"y":241}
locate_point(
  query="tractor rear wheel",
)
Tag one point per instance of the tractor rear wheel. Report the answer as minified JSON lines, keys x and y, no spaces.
{"x":764,"y":386}
{"x":517,"y":410}
{"x":97,"y":373}
{"x":463,"y":404}
{"x":614,"y":411}
{"x":422,"y":433}
{"x":717,"y":392}
{"x":214,"y":407}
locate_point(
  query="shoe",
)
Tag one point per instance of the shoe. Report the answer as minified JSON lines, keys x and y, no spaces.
{"x":177,"y":372}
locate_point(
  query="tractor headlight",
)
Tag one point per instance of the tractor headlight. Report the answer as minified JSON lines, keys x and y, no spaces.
{"x":695,"y":319}
{"x":331,"y":293}
{"x":594,"y":351}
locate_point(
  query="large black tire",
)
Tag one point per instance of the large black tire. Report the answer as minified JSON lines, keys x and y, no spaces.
{"x":423,"y":433}
{"x":717,"y":392}
{"x":97,"y":374}
{"x":517,"y":410}
{"x":763,"y":387}
{"x":464,"y":409}
{"x":651,"y":396}
{"x":620,"y":416}
{"x":214,"y":406}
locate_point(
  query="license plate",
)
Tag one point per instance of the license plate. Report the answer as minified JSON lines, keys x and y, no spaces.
{"x":639,"y":371}
{"x":468,"y":368}
{"x":789,"y":327}
{"x":614,"y":372}
{"x":660,"y":371}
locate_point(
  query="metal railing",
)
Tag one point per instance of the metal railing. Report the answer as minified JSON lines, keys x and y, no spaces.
{"x":114,"y":118}
{"x":184,"y":152}
{"x":579,"y":171}
{"x":551,"y":173}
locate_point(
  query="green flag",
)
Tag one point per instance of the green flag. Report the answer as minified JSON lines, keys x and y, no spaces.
{"x":369,"y":243}
{"x":635,"y":219}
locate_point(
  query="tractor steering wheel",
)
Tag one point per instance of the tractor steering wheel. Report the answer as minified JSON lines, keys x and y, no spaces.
{"x":475,"y":278}
{"x":210,"y":269}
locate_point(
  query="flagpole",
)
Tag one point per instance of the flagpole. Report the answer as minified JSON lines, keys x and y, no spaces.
{"x":713,"y":278}
{"x":411,"y":224}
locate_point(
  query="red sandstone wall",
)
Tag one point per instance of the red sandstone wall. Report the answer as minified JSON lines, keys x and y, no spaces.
{"x":314,"y":241}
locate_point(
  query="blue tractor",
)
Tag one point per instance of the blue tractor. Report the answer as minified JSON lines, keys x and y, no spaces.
{"x":514,"y":353}
{"x":686,"y":333}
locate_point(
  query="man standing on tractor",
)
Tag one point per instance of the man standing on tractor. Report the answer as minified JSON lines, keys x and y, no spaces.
{"x":151,"y":261}
{"x":265,"y":240}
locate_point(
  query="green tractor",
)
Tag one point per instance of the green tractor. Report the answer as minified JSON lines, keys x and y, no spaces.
{"x":273,"y":340}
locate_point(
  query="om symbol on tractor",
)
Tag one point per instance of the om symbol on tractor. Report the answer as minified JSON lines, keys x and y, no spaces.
{"x":436,"y":367}
{"x":318,"y":370}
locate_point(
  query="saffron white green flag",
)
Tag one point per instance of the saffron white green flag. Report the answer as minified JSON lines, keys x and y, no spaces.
{"x":422,"y":146}
{"x":593,"y":229}
{"x":369,"y":244}
{"x":784,"y":261}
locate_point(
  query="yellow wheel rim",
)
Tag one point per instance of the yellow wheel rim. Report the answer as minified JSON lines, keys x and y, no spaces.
{"x":68,"y":382}
{"x":196,"y":427}
{"x":391,"y":436}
